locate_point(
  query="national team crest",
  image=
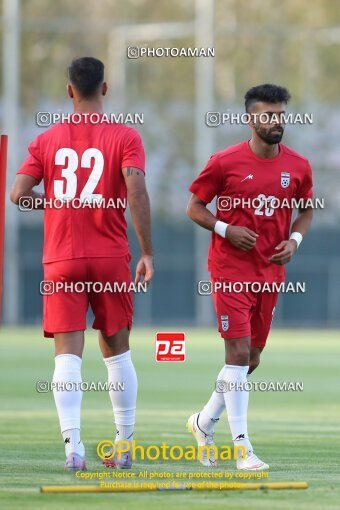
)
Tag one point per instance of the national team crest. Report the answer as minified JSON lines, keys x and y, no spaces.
{"x":285,"y":179}
{"x":225,"y":322}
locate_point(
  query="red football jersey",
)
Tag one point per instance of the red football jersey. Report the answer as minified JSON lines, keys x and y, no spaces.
{"x":237,"y":176}
{"x":83,"y":162}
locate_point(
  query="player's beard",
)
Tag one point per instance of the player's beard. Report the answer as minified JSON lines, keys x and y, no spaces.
{"x":267,"y":134}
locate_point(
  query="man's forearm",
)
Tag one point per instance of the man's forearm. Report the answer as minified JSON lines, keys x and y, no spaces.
{"x":23,"y":188}
{"x":29,"y":199}
{"x":37,"y":199}
{"x":303,"y":221}
{"x":139,"y":204}
{"x":201,"y":215}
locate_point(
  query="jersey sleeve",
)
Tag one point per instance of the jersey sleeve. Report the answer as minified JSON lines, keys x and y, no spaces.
{"x":209,"y":182}
{"x":33,"y":164}
{"x":305,"y":189}
{"x":133,"y":152}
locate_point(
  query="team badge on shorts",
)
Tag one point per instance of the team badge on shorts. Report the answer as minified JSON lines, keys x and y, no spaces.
{"x":285,"y":179}
{"x":225,"y":322}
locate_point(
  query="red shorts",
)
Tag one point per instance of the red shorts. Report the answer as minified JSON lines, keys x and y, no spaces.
{"x":246,"y":313}
{"x":65,"y":310}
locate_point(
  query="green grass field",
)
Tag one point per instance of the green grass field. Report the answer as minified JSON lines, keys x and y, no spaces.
{"x":297,"y":433}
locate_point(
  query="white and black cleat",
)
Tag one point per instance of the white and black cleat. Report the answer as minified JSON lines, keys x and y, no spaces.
{"x":206,"y":445}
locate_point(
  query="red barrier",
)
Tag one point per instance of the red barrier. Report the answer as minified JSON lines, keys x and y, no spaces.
{"x":3,"y":167}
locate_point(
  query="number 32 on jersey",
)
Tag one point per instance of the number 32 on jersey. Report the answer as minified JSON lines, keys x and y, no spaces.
{"x":69,"y":159}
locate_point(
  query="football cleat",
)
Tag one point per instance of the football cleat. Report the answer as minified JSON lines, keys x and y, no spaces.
{"x":110,"y":462}
{"x":206,"y":456}
{"x":251,"y":462}
{"x":122,"y":461}
{"x":75,"y":462}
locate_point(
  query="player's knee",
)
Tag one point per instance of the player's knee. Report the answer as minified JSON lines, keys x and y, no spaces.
{"x":237,"y":351}
{"x":240,"y":357}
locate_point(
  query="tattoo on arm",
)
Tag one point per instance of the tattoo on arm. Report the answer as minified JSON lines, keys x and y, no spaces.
{"x":130,"y":171}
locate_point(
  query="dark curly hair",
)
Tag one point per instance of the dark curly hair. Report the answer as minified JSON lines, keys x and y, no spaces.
{"x":268,"y":93}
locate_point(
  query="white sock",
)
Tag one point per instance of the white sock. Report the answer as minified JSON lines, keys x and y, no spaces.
{"x":68,"y":403}
{"x":121,"y":370}
{"x":236,"y":401}
{"x":72,"y":442}
{"x":212,"y":410}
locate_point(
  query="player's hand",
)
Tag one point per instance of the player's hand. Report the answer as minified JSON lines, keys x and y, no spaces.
{"x":241,"y":237}
{"x":144,"y":269}
{"x":286,"y":251}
